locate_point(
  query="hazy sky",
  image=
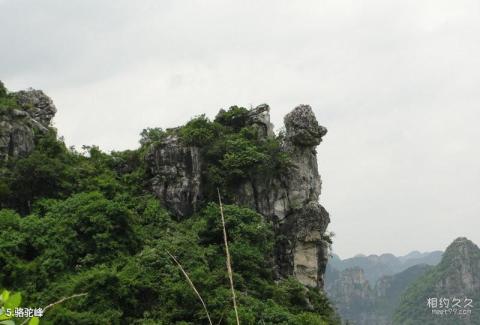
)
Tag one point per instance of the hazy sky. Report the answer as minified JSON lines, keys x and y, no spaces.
{"x":395,"y":82}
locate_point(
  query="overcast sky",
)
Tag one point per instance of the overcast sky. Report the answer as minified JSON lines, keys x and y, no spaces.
{"x":395,"y":82}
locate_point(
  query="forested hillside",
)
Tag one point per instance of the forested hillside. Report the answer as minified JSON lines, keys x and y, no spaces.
{"x":447,"y":294}
{"x":85,"y":221}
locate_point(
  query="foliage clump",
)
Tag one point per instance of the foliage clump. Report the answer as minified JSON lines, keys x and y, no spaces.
{"x":8,"y":100}
{"x":235,"y":118}
{"x":233,"y":150}
{"x":152,"y":135}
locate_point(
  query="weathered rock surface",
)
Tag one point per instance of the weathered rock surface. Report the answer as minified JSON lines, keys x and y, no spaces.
{"x":18,"y":126}
{"x":177,"y":175}
{"x":290,"y":201}
{"x":260,"y":117}
{"x":302,"y":127}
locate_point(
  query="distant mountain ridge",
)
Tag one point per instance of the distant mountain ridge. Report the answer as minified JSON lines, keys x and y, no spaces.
{"x":366,"y":290}
{"x":447,"y":293}
{"x":376,"y":266}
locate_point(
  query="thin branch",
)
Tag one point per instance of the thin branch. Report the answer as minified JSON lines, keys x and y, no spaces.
{"x":221,"y":317}
{"x":56,"y":303}
{"x":191,"y":285}
{"x":227,"y":252}
{"x":62,"y":300}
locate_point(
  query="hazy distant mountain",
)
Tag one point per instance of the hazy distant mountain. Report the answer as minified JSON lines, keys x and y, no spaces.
{"x":413,"y":255}
{"x":390,"y":288}
{"x":446,"y":291}
{"x":352,"y":295}
{"x":366,"y":290}
{"x":361,"y":303}
{"x":376,"y":266}
{"x":431,"y":258}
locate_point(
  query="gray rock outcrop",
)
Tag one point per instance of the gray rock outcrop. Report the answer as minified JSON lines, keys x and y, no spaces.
{"x":177,"y":175}
{"x":290,"y":201}
{"x":31,"y":115}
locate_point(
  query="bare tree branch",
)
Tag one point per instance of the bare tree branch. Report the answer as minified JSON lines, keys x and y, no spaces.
{"x":56,"y":303}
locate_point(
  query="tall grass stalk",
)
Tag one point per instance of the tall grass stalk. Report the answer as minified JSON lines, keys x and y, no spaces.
{"x":192,"y":286}
{"x":229,"y":264}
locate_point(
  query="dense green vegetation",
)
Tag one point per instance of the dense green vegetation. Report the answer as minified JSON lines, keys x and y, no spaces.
{"x":84,"y":222}
{"x":7,"y":100}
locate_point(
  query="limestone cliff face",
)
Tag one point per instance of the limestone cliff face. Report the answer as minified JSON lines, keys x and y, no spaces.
{"x":290,"y":201}
{"x":304,"y":219}
{"x":177,"y":175}
{"x":19,"y":125}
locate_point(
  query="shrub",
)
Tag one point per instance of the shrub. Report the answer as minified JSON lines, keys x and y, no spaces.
{"x":235,"y":118}
{"x":199,"y":131}
{"x":152,"y":135}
